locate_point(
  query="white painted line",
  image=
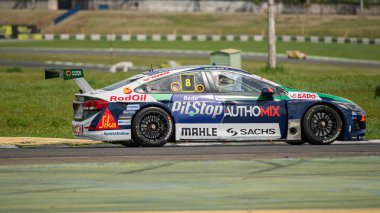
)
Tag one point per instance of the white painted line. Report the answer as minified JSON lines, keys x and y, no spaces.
{"x":141,"y":37}
{"x":243,"y":38}
{"x":156,"y":37}
{"x":95,"y":37}
{"x":365,"y":40}
{"x":328,"y":39}
{"x":126,"y":37}
{"x":341,"y":40}
{"x":186,"y":37}
{"x":171,"y":37}
{"x":64,"y":36}
{"x":286,"y":38}
{"x":80,"y":36}
{"x":8,"y":147}
{"x":300,"y":38}
{"x":314,"y":39}
{"x":111,"y":37}
{"x":201,"y":37}
{"x":216,"y":37}
{"x":49,"y":37}
{"x":353,"y":40}
{"x":230,"y":37}
{"x":258,"y":38}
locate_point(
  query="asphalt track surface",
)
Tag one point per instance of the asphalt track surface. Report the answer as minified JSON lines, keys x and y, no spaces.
{"x":184,"y":152}
{"x":181,"y":53}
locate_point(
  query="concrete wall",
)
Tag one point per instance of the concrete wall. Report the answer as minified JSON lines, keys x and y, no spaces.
{"x":330,"y":9}
{"x":29,"y":4}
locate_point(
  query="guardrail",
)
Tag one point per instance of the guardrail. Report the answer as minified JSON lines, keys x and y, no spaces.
{"x":202,"y":38}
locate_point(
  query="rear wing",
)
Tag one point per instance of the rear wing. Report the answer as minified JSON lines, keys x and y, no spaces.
{"x":69,"y":74}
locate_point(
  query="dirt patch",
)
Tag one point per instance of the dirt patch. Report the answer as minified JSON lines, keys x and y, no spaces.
{"x":36,"y":141}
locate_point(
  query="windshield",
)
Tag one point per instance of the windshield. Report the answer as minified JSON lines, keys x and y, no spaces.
{"x":123,"y":82}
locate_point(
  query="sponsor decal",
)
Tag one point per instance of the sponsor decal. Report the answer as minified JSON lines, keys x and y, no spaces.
{"x":175,"y":86}
{"x":227,"y":131}
{"x":133,"y":107}
{"x":200,"y":88}
{"x":72,"y":73}
{"x":204,"y":108}
{"x":115,"y":133}
{"x":124,"y":122}
{"x":68,"y":73}
{"x":188,"y":83}
{"x":156,"y":76}
{"x":197,"y":108}
{"x":252,"y":111}
{"x":78,"y":130}
{"x":253,"y":132}
{"x":232,"y":131}
{"x":190,"y":98}
{"x":125,"y":117}
{"x":127,"y":90}
{"x":199,"y":131}
{"x":136,"y":97}
{"x":107,"y":121}
{"x":128,"y":113}
{"x":303,"y":95}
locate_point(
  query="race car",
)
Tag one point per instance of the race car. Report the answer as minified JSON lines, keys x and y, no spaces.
{"x":295,"y":54}
{"x":208,"y":103}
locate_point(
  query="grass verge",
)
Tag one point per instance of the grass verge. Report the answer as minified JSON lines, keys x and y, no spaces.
{"x":195,"y":23}
{"x":34,"y":107}
{"x":350,"y":51}
{"x":195,"y":185}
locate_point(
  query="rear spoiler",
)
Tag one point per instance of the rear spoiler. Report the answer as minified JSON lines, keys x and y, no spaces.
{"x":69,"y":74}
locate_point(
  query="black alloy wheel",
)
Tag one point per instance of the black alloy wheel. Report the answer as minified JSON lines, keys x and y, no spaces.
{"x":152,"y":126}
{"x":321,"y":125}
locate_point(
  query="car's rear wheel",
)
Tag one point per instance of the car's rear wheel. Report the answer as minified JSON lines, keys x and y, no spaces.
{"x":321,"y":125}
{"x":152,"y":126}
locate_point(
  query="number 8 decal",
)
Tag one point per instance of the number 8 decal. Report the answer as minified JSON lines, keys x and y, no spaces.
{"x":188,"y":83}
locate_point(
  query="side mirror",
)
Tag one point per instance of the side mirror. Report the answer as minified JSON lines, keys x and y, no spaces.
{"x":267,"y":92}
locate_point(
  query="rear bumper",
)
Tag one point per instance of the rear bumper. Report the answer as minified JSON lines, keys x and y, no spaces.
{"x":80,"y":130}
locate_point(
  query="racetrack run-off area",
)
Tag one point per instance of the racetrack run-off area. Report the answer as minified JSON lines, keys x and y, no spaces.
{"x":292,"y":183}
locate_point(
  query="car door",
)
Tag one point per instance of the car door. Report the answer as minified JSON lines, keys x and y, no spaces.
{"x":247,"y":114}
{"x":192,"y":105}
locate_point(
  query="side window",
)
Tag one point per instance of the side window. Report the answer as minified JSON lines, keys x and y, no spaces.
{"x":187,"y":82}
{"x":230,"y":82}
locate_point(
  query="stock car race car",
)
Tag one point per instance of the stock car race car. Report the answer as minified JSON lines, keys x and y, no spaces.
{"x":208,"y":103}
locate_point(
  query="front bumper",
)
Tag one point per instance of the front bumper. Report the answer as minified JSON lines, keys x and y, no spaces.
{"x":355,"y":125}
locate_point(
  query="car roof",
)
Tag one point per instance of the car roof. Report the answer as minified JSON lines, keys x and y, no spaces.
{"x":194,"y":67}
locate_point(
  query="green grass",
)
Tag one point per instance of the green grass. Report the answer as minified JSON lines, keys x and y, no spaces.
{"x":281,"y":184}
{"x":32,"y":106}
{"x":351,"y":51}
{"x":105,"y":22}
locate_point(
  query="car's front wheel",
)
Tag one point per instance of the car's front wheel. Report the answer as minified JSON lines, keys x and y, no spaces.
{"x":152,"y":126}
{"x":321,"y":125}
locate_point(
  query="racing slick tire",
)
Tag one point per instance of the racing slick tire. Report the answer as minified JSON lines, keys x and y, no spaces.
{"x":152,"y":127}
{"x":295,"y":142}
{"x":321,"y":125}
